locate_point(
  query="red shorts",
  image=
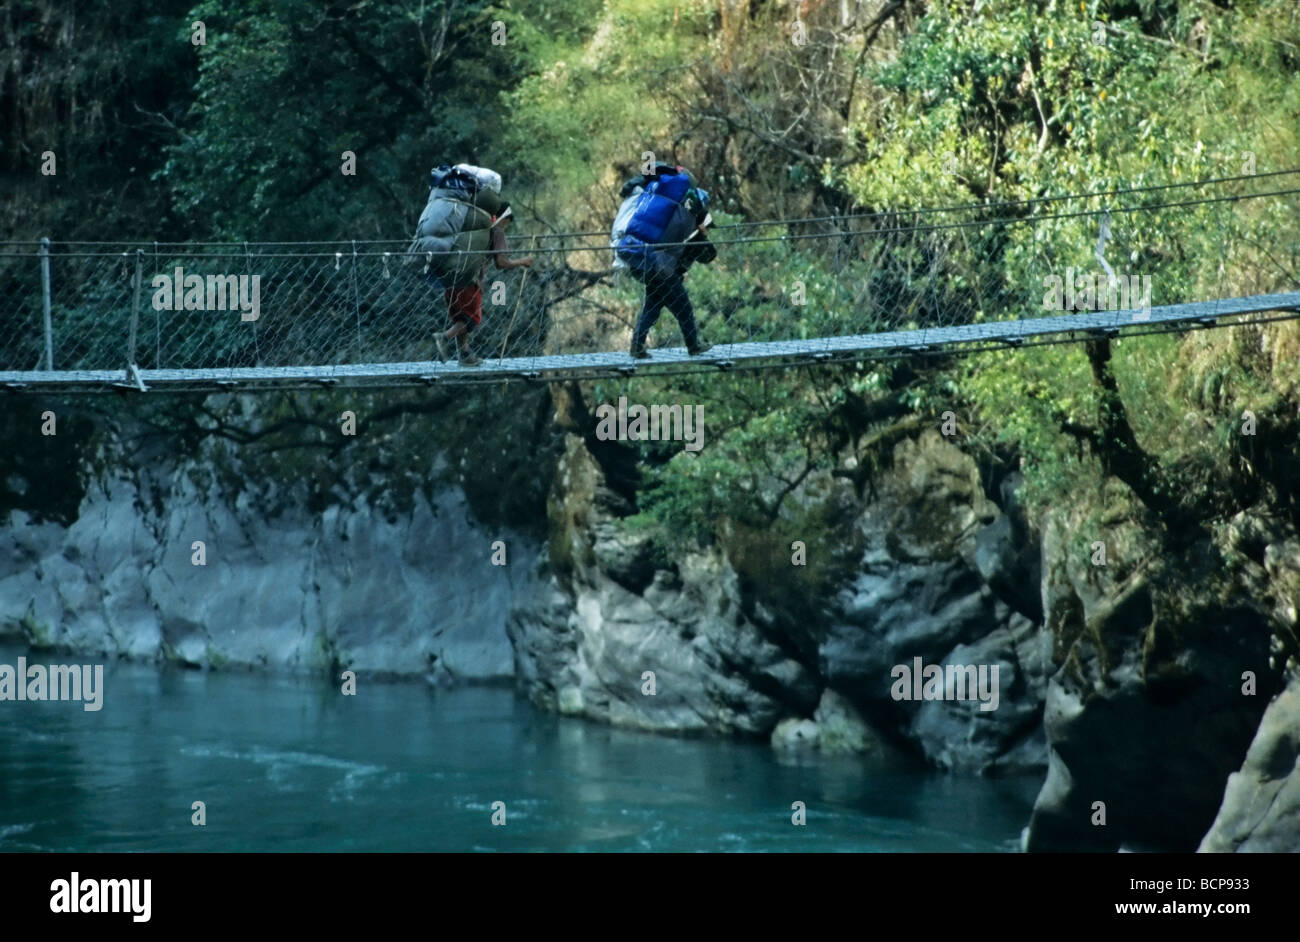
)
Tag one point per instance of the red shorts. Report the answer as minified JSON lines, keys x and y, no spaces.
{"x":466,"y":304}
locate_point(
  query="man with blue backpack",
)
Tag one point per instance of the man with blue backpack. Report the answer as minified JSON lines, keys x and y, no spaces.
{"x":658,"y":233}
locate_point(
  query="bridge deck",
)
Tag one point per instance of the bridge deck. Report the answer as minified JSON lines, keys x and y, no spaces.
{"x":859,"y":346}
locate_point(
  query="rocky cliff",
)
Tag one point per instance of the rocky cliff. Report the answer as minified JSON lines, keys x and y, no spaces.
{"x":1261,"y":805}
{"x":1122,"y":673}
{"x":1146,"y":710}
{"x":937,"y":571}
{"x":204,"y":559}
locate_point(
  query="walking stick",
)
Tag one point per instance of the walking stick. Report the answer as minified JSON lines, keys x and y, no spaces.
{"x":506,"y":339}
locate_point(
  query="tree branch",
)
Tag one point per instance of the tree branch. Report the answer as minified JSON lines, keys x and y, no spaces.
{"x":871,"y":32}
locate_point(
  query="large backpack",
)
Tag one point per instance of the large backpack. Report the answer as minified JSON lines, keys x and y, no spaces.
{"x":454,"y":230}
{"x":650,"y":222}
{"x":656,"y":207}
{"x":641,"y":179}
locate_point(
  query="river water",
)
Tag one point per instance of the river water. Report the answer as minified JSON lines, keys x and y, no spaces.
{"x":289,"y":764}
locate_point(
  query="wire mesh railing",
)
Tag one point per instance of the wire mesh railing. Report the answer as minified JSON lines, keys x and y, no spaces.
{"x":202,"y":306}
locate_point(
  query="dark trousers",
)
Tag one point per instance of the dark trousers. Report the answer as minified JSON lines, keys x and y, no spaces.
{"x":668,"y":291}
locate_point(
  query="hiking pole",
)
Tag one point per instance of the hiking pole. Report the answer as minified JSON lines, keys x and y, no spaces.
{"x":532,"y":248}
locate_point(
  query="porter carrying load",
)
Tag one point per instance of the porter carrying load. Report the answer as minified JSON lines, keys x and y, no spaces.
{"x":461,"y":229}
{"x":659,"y":232}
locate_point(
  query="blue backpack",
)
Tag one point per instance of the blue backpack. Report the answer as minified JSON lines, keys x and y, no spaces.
{"x":654,"y":213}
{"x":656,"y":206}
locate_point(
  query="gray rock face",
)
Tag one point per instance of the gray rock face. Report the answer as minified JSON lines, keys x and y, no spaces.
{"x":960,"y":734}
{"x":604,"y":615}
{"x":794,"y":734}
{"x":836,"y":728}
{"x":295,"y":591}
{"x":1261,"y":806}
{"x":586,"y":640}
{"x":1007,"y":556}
{"x":935,"y":546}
{"x":1145,"y":714}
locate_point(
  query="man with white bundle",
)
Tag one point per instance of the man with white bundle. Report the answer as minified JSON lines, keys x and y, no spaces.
{"x":463,"y":225}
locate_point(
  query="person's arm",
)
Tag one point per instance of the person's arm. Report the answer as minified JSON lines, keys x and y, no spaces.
{"x":502,"y":257}
{"x":698,"y":249}
{"x":705,"y":251}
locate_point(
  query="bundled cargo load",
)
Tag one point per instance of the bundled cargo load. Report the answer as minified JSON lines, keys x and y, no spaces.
{"x":454,"y":230}
{"x":487,"y":179}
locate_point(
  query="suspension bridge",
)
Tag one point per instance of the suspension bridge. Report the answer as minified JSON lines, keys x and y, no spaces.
{"x":153,"y":316}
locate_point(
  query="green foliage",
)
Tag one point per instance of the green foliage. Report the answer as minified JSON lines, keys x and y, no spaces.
{"x":761,"y":440}
{"x":96,"y":82}
{"x":44,"y":476}
{"x":580,"y":123}
{"x":1014,"y":101}
{"x":284,"y":88}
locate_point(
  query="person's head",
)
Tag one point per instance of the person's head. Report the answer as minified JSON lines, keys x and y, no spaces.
{"x":503,"y":220}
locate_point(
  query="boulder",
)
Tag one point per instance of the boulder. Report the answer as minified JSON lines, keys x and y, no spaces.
{"x":1261,"y":804}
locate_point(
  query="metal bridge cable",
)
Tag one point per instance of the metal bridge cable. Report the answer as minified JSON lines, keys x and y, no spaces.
{"x":789,"y":237}
{"x":1223,"y":249}
{"x":157,"y":320}
{"x":356,"y":296}
{"x":248,"y":271}
{"x":812,"y":219}
{"x":857,"y":358}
